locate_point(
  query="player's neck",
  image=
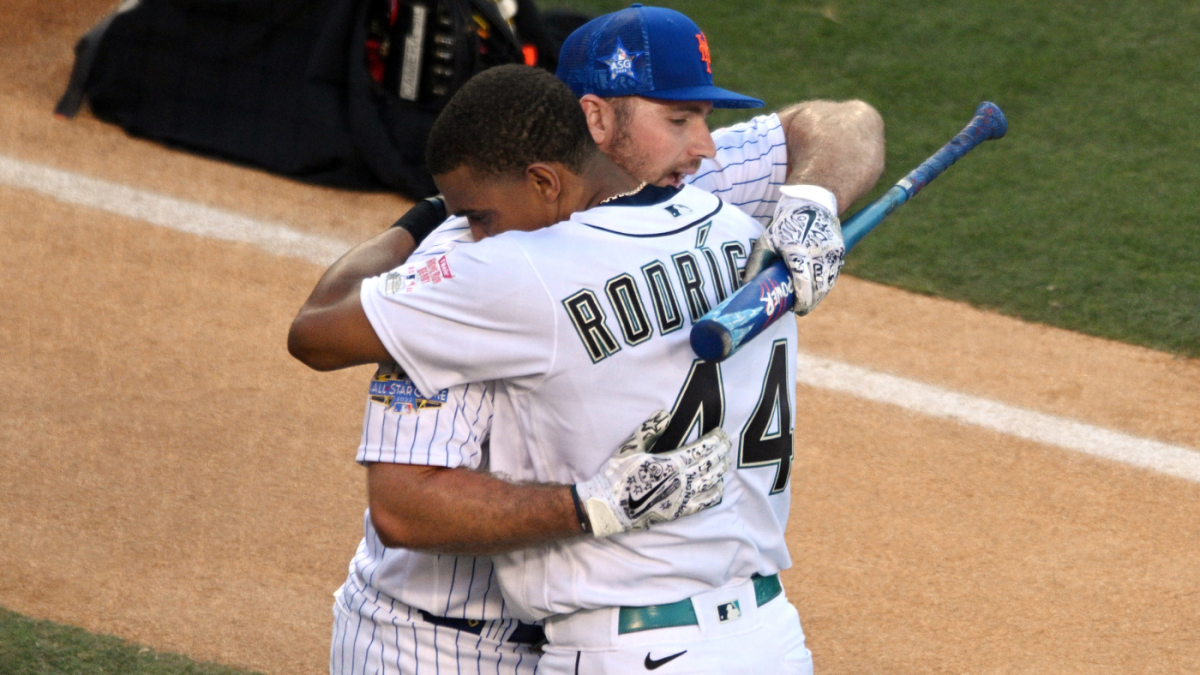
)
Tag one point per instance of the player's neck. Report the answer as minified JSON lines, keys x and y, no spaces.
{"x":604,"y":180}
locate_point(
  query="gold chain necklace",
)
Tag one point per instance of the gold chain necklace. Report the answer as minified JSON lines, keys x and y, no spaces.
{"x":634,"y":191}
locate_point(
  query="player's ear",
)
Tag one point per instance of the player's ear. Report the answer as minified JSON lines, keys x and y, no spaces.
{"x":601,"y":119}
{"x":546,"y":179}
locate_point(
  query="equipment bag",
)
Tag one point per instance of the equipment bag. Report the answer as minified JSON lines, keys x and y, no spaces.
{"x":334,"y":92}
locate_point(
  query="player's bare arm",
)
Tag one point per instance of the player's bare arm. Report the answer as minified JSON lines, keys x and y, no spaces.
{"x":380,"y":253}
{"x":332,"y":331}
{"x":465,"y":511}
{"x":838,"y":145}
{"x":317,"y":322}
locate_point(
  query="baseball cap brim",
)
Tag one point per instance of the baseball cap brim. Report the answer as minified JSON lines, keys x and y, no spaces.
{"x":721,"y":98}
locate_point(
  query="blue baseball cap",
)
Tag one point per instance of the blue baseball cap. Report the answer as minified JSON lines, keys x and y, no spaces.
{"x":644,"y":51}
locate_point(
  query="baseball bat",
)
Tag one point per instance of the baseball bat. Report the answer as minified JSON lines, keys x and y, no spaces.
{"x":768,"y":296}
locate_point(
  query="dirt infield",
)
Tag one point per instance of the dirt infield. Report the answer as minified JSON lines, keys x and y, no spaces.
{"x":171,"y":476}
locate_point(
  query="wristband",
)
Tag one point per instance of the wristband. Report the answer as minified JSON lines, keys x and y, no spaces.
{"x":423,"y":217}
{"x":584,"y":523}
{"x":813,"y":193}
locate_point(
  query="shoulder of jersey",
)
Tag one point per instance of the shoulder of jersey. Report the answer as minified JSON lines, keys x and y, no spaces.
{"x":450,"y":233}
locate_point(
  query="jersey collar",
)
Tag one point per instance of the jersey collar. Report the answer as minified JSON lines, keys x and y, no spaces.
{"x":647,"y":196}
{"x":657,"y":211}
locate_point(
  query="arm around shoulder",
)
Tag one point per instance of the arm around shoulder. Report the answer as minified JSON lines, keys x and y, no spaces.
{"x":460,"y":510}
{"x":335,"y":335}
{"x":838,"y":145}
{"x":331,"y":331}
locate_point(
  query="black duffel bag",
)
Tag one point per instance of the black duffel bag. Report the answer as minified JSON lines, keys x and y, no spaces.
{"x":334,"y":92}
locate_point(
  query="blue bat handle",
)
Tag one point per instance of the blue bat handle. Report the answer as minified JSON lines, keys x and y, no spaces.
{"x":858,"y":225}
{"x":987,"y":124}
{"x":746,"y":313}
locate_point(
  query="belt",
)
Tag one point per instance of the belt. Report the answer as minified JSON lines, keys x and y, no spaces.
{"x":523,"y":634}
{"x":683,"y":613}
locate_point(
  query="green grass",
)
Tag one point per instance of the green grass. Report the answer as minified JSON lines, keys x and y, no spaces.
{"x":29,"y":647}
{"x":1083,"y":217}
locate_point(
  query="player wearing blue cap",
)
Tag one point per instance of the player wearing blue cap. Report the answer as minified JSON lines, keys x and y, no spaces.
{"x":451,"y":614}
{"x":644,"y":78}
{"x":579,"y":326}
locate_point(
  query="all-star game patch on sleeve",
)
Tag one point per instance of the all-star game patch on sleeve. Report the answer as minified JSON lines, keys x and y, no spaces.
{"x":749,"y":167}
{"x":397,"y":393}
{"x":404,"y":426}
{"x":475,"y":314}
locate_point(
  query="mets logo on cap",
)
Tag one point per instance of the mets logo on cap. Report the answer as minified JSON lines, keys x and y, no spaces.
{"x":705,"y":56}
{"x":653,"y":52}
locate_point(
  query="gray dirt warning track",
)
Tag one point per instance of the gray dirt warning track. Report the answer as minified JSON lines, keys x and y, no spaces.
{"x":171,"y":476}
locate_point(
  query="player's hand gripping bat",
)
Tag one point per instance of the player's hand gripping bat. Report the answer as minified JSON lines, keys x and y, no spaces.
{"x":768,"y":296}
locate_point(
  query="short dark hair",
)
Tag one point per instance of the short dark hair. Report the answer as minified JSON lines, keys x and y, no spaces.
{"x":506,"y":118}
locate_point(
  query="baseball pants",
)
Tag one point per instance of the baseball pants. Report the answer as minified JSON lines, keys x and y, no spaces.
{"x":394,"y":639}
{"x":733,"y":635}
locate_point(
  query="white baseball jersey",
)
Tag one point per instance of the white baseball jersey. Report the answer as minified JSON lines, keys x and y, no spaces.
{"x":402,"y":426}
{"x":586,"y":324}
{"x":749,"y":167}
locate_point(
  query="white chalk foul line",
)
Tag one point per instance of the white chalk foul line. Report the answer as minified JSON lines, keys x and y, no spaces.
{"x":934,"y":401}
{"x":176,"y":214}
{"x":814,"y":371}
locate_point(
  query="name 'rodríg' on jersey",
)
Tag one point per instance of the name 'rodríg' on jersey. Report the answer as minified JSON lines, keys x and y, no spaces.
{"x":585,"y":324}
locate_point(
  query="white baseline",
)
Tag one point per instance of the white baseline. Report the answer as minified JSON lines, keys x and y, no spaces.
{"x":1173,"y":460}
{"x":176,"y":214}
{"x":205,"y":221}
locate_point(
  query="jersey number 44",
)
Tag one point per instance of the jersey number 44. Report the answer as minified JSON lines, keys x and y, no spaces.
{"x":766,"y":438}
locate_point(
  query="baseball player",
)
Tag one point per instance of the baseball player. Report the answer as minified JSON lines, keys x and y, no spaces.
{"x":401,"y":608}
{"x":402,"y":426}
{"x":580,"y":342}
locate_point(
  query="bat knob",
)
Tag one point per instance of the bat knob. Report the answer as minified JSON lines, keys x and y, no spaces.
{"x":711,"y":341}
{"x":994,"y":124}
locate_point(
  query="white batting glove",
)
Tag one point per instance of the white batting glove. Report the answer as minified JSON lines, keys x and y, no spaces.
{"x":807,"y":235}
{"x":635,"y":489}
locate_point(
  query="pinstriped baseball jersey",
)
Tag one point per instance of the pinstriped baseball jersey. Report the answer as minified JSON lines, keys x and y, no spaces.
{"x":750,"y":164}
{"x":749,"y":167}
{"x":391,"y":638}
{"x":445,"y":433}
{"x":401,"y":425}
{"x":584,"y":323}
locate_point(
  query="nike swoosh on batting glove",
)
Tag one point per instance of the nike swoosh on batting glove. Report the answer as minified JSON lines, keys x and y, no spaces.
{"x":807,"y":235}
{"x":636,"y":489}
